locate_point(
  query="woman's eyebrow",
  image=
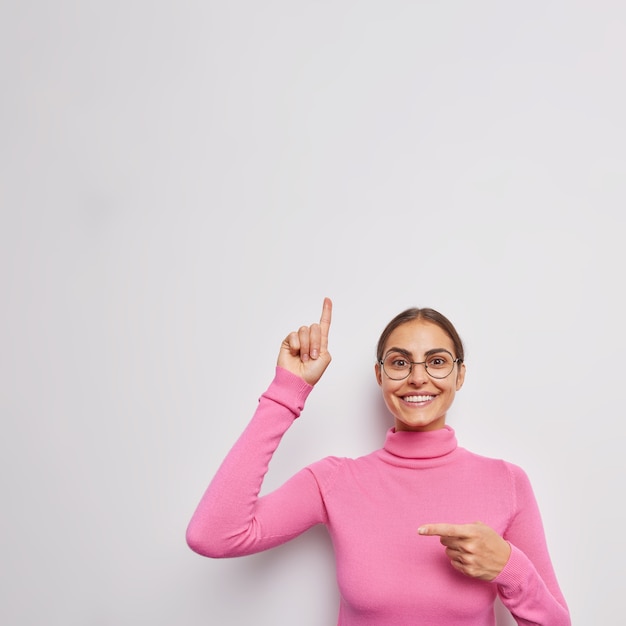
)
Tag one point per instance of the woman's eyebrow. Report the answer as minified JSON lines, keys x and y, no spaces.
{"x":408,"y":353}
{"x":400,"y":350}
{"x":437,"y":350}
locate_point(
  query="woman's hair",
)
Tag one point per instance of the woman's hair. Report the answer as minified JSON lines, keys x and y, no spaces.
{"x":426,"y":314}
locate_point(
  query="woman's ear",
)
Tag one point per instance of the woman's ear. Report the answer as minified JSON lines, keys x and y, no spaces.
{"x":379,"y":378}
{"x":460,"y":376}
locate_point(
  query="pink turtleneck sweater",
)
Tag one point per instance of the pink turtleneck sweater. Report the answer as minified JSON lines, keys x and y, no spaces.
{"x":388,"y":575}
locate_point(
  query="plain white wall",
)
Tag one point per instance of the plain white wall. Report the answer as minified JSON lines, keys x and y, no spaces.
{"x":183,"y":180}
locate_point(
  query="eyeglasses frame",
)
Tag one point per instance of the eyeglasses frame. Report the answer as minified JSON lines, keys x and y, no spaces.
{"x":381,"y":362}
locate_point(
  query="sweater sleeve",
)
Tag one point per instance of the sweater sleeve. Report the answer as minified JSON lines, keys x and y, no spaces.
{"x":528,"y":585}
{"x":231,"y":519}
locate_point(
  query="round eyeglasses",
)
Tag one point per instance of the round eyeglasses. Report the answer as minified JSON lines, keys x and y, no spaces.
{"x":398,"y":366}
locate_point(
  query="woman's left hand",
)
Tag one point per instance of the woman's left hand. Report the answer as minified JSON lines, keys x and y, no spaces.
{"x":475,"y":549}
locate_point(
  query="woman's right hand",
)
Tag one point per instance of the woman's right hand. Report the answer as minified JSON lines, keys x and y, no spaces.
{"x":305,"y":352}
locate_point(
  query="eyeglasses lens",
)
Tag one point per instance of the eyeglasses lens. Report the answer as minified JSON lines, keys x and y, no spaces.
{"x":397,"y":366}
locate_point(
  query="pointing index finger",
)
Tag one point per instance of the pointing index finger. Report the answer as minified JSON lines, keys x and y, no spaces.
{"x":443,"y":530}
{"x":327,"y":313}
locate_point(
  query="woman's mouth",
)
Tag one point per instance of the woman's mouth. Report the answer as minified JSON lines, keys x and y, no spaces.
{"x":418,"y":399}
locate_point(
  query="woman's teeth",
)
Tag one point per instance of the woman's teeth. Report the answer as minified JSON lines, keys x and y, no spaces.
{"x":418,"y":398}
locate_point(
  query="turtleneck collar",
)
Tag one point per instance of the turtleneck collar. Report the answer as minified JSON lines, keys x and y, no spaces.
{"x":414,"y":449}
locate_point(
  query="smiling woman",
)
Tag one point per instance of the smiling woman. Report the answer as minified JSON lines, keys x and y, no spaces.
{"x":424,"y":530}
{"x":419,"y":393}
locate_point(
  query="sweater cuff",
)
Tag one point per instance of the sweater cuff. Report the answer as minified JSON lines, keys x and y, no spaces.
{"x":512,"y":577}
{"x":289,"y":390}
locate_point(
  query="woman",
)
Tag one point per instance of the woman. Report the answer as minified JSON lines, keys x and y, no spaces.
{"x":404,"y":519}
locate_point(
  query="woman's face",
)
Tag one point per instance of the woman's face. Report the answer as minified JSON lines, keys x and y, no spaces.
{"x":420,"y":402}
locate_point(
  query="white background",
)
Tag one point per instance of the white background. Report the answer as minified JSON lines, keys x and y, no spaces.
{"x":182,"y":183}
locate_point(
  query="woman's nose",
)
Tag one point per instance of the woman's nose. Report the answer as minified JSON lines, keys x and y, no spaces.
{"x":418,"y":374}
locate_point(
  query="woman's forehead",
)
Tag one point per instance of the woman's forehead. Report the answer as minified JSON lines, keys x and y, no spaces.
{"x":420,"y":335}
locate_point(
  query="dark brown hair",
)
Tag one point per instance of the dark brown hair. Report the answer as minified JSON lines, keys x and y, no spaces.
{"x":426,"y":314}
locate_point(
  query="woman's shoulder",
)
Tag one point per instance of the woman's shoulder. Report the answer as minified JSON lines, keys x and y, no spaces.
{"x":496,"y":464}
{"x":330,"y":469}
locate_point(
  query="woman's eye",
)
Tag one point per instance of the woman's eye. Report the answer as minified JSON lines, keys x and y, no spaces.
{"x":438,"y":361}
{"x":397,"y":361}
